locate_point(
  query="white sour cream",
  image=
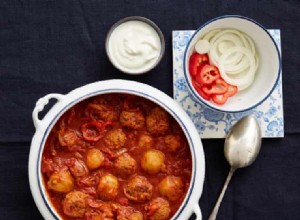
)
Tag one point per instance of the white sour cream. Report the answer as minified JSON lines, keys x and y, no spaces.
{"x":134,"y":46}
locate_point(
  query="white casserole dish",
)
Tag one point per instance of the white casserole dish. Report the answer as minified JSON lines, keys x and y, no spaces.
{"x":64,"y":102}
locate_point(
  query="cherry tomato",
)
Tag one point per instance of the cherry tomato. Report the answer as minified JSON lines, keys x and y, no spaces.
{"x":196,"y":62}
{"x":208,"y":74}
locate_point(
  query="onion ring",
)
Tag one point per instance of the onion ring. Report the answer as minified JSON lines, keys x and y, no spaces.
{"x":244,"y":79}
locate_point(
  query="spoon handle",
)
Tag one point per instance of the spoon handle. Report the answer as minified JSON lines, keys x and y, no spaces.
{"x":214,"y":213}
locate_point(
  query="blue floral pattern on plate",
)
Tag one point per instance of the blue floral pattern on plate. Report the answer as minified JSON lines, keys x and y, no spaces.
{"x":213,"y":124}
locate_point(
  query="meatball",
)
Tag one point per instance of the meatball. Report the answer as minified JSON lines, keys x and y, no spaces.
{"x":132,"y":119}
{"x":101,"y":211}
{"x":61,"y":181}
{"x":94,"y":159}
{"x":125,"y":165}
{"x":96,"y":215}
{"x":108,"y":187}
{"x":138,"y":189}
{"x":67,"y":137}
{"x":171,"y":187}
{"x":135,"y":216}
{"x":157,"y":121}
{"x":145,"y":141}
{"x":173,"y":142}
{"x":152,"y":161}
{"x":128,"y":213}
{"x":74,"y":204}
{"x":77,"y":167}
{"x":158,"y":209}
{"x":115,"y":139}
{"x":103,"y":111}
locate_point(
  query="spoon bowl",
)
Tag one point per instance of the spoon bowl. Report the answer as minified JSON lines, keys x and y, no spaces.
{"x":242,"y":145}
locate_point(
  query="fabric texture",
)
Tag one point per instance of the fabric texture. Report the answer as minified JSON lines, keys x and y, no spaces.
{"x":54,"y":46}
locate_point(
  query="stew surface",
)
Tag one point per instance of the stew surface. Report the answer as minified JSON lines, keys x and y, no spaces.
{"x":116,"y":156}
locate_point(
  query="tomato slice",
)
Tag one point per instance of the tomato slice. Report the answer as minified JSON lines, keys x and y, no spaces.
{"x":220,"y":99}
{"x":208,"y":74}
{"x":92,"y":131}
{"x":216,"y":88}
{"x":200,"y":91}
{"x":196,"y":62}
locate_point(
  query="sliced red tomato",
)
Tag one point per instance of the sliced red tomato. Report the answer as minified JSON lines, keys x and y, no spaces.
{"x":92,"y":131}
{"x":222,"y":98}
{"x":208,"y":74}
{"x":216,"y":88}
{"x":200,"y":91}
{"x":196,"y":62}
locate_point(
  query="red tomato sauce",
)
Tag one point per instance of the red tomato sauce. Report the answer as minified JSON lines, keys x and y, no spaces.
{"x":133,"y":137}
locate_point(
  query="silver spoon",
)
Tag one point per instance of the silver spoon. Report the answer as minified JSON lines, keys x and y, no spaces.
{"x":242,"y":145}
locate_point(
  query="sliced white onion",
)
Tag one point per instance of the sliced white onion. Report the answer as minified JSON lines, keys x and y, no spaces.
{"x":229,"y":31}
{"x":215,"y":56}
{"x":234,"y":53}
{"x":245,"y":86}
{"x":238,"y":68}
{"x":210,"y":34}
{"x":224,"y":45}
{"x":256,"y":62}
{"x":250,"y":43}
{"x":243,"y":80}
{"x":202,"y":46}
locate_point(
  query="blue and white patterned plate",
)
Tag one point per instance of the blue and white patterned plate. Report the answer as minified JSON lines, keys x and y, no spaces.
{"x":213,"y":124}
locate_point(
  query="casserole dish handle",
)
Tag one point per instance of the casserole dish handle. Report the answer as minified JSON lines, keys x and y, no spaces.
{"x":197,"y":212}
{"x":40,"y":104}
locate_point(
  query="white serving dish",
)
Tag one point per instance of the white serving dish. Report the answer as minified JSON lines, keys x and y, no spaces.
{"x":64,"y":102}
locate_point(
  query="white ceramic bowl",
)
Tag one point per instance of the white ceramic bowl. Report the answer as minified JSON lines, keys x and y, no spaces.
{"x":64,"y":102}
{"x":147,"y":66}
{"x":268,"y":71}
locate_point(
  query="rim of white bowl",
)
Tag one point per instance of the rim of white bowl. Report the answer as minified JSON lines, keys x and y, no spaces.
{"x":187,"y":77}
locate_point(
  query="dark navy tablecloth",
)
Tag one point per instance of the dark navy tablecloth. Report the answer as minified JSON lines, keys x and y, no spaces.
{"x":51,"y":46}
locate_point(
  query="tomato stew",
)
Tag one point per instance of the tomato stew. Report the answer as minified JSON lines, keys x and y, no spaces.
{"x":116,"y":156}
